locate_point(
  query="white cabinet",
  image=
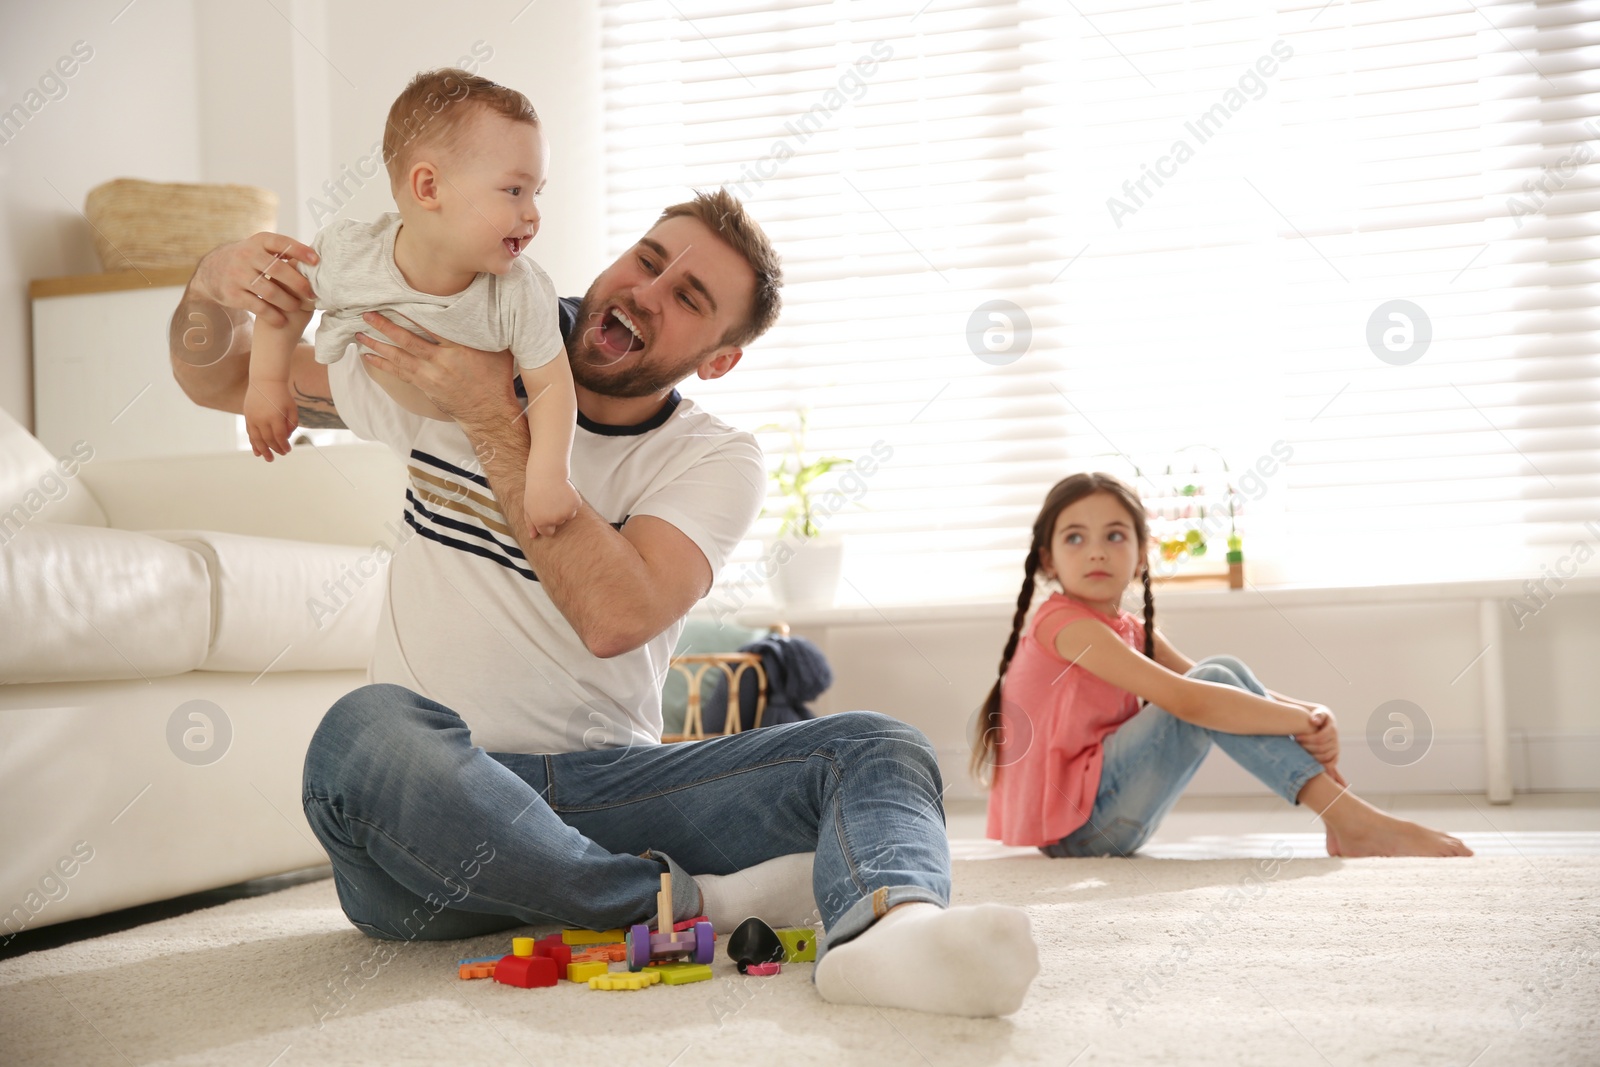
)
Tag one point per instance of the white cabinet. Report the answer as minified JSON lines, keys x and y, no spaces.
{"x":101,"y":372}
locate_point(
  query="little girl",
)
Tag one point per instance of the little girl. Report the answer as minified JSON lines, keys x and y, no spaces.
{"x":1091,"y":741}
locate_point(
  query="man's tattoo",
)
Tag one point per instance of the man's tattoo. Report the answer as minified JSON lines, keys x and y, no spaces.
{"x":317,"y":412}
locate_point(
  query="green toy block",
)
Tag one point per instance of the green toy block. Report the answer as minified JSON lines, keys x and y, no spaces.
{"x":799,"y":944}
{"x":678,"y":972}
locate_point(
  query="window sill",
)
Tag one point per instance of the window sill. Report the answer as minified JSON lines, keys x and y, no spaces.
{"x":1170,"y":600}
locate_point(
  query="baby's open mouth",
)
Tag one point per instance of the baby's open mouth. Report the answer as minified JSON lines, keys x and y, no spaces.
{"x":513,"y":244}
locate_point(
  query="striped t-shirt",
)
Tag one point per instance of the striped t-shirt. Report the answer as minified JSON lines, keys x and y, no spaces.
{"x":465,"y":621}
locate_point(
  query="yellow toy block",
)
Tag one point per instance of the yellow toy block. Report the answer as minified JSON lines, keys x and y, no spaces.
{"x":591,"y":937}
{"x":799,"y":944}
{"x":625,"y":980}
{"x":582,"y":972}
{"x":522,"y":946}
{"x":679,"y":972}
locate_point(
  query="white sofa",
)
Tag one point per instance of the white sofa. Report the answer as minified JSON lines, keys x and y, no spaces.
{"x":171,"y":632}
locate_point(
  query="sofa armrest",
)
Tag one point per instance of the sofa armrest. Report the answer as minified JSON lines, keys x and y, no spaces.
{"x":339,"y":494}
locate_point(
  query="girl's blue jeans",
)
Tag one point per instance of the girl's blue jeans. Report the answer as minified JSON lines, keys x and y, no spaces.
{"x":1152,"y":756}
{"x":432,"y":837}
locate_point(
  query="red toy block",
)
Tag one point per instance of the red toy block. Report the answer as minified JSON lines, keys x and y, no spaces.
{"x":526,"y":972}
{"x":763,"y":970}
{"x":562,"y":954}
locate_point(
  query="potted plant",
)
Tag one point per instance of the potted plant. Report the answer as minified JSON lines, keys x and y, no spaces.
{"x":808,"y":557}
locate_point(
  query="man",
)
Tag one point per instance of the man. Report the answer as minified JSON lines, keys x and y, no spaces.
{"x":496,"y":639}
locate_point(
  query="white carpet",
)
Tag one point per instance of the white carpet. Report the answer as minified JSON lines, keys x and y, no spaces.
{"x":1488,"y":961}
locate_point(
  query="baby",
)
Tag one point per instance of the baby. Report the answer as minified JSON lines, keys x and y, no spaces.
{"x":466,"y":160}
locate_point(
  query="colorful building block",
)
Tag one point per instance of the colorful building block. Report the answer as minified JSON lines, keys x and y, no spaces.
{"x":799,"y":944}
{"x":591,"y":937}
{"x":526,"y":972}
{"x":479,"y":959}
{"x":562,"y":954}
{"x":477,"y":970}
{"x":610,"y":953}
{"x":678,"y":972}
{"x":522,"y":946}
{"x":664,"y":943}
{"x":625,"y":980}
{"x":763,"y":970}
{"x":582,"y":972}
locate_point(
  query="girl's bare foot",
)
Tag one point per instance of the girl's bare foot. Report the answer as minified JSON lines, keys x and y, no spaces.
{"x":1384,"y":835}
{"x":1356,"y":828}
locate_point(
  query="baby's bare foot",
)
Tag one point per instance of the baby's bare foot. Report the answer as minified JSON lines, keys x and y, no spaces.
{"x":1333,"y":842}
{"x":1379,"y":834}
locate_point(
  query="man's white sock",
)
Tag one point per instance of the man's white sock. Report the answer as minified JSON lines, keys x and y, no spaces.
{"x":975,"y":961}
{"x":778,"y":892}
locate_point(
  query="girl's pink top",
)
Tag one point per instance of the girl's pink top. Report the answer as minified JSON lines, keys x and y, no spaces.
{"x":1053,"y":720}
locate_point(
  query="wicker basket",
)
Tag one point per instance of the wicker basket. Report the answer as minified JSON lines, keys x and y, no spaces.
{"x":149,"y":225}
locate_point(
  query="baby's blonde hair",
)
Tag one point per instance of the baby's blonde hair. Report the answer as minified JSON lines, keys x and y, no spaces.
{"x":434,"y":112}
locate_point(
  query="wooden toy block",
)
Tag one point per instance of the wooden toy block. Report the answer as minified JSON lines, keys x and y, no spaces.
{"x":678,"y":972}
{"x":646,"y":946}
{"x":799,"y":944}
{"x":763,"y":970}
{"x":526,"y":972}
{"x":582,"y":972}
{"x":625,"y":980}
{"x":479,"y":959}
{"x":591,"y":937}
{"x":477,"y":970}
{"x":522,"y":946}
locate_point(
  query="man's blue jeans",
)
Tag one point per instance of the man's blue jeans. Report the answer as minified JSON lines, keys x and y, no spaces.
{"x":1152,"y":756}
{"x":432,"y":837}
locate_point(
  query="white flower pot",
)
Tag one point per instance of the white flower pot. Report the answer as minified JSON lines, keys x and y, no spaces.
{"x":809,"y":576}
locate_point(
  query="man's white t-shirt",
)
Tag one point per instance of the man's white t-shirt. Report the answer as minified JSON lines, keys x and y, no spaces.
{"x":356,"y":272}
{"x":465,"y":621}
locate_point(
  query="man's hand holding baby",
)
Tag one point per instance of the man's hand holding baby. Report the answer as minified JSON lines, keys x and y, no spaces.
{"x":469,"y":385}
{"x":474,"y":388}
{"x":258,"y":275}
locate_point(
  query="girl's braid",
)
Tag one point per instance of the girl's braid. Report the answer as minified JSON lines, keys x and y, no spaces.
{"x":1149,"y":617}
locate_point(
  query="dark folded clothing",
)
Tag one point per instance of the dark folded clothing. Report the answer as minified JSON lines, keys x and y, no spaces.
{"x":797,"y":672}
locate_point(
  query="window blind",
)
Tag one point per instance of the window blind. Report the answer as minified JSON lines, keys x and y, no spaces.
{"x":1022,"y":240}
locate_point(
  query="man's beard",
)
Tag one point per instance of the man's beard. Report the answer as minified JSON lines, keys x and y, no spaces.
{"x":596,"y":372}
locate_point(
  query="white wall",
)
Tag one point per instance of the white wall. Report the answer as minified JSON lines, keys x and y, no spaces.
{"x":551,"y":53}
{"x":934,"y":673}
{"x":129,"y":111}
{"x":277,"y":95}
